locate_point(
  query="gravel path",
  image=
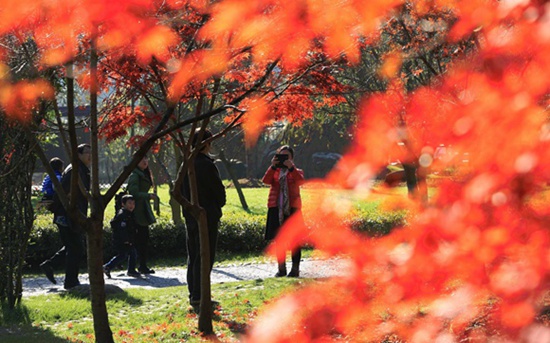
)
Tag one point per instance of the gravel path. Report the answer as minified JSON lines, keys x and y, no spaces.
{"x":168,"y":277}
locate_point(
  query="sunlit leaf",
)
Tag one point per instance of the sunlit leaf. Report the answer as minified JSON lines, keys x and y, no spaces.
{"x":155,"y":43}
{"x":255,"y":120}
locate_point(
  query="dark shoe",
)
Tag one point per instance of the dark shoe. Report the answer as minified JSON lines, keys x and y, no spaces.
{"x":107,"y":272}
{"x":48,"y":270}
{"x":282,"y":270}
{"x":133,"y":273}
{"x":294,"y":273}
{"x":146,"y":271}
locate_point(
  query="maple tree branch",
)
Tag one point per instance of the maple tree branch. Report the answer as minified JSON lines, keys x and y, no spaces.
{"x":154,"y":68}
{"x":42,"y":156}
{"x":138,"y":155}
{"x":74,"y":186}
{"x":75,"y":179}
{"x":62,"y":132}
{"x":94,"y":120}
{"x":125,"y":80}
{"x":222,"y":108}
{"x":151,"y":104}
{"x":176,"y":190}
{"x":215,"y":89}
{"x":289,"y":83}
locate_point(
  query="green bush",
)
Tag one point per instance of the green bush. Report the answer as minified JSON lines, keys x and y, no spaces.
{"x":377,"y":224}
{"x":237,"y":234}
{"x":166,"y":240}
{"x":44,"y":241}
{"x":242,"y":234}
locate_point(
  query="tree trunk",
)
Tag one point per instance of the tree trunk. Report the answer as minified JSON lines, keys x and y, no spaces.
{"x":410,"y":178}
{"x":16,"y":214}
{"x":234,"y":179}
{"x":416,"y":182}
{"x":175,"y":207}
{"x":94,"y":241}
{"x":205,"y":315}
{"x":94,"y":227}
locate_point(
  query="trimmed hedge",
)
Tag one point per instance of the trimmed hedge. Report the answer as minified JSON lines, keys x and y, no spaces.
{"x":377,"y":224}
{"x":242,"y":234}
{"x":237,"y":234}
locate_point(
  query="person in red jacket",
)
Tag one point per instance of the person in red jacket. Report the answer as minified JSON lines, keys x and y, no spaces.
{"x":284,"y":200}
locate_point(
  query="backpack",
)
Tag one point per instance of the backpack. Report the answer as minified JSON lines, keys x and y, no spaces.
{"x":118,"y":199}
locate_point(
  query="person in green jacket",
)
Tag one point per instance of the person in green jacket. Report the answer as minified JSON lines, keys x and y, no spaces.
{"x":139,"y":184}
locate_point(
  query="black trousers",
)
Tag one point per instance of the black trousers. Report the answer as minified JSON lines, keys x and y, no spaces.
{"x":74,"y":253}
{"x":272,"y":229}
{"x":194,"y":253}
{"x":124,"y":254}
{"x":142,"y":243}
{"x":58,"y":259}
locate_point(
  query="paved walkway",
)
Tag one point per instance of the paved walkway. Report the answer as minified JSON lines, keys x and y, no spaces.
{"x":168,"y":277}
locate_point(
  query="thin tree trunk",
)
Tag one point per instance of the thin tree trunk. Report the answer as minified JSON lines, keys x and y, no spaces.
{"x":176,"y":211}
{"x":205,"y":315}
{"x":416,"y":181}
{"x":62,"y":133}
{"x":94,"y":241}
{"x":234,"y":179}
{"x":95,"y":223}
{"x":175,"y":206}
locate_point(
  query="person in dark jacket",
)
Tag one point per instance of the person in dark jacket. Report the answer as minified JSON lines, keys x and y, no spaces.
{"x":211,"y":194}
{"x":123,"y":238}
{"x":139,"y":184}
{"x":284,"y":200}
{"x":71,"y":234}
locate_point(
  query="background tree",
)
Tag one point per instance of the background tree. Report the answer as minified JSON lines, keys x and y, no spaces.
{"x":17,"y":214}
{"x":16,"y":167}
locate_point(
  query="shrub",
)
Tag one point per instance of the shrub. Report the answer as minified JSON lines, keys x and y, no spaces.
{"x":44,"y":241}
{"x":242,"y":234}
{"x":237,"y":234}
{"x":376,"y":224}
{"x":167,"y":240}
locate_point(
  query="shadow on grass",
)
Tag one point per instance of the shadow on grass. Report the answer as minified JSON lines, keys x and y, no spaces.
{"x":235,"y":326}
{"x":16,"y":327}
{"x":111,"y":291}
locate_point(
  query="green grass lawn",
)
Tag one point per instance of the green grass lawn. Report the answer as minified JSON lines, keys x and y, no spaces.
{"x":256,"y":199}
{"x":140,"y":315}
